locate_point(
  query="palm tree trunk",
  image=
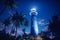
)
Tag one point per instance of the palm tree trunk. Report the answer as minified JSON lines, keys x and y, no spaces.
{"x":11,"y":32}
{"x":16,"y":33}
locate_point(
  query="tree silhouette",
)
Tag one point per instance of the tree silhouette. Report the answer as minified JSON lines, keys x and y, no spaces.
{"x":55,"y":26}
{"x":19,"y":20}
{"x":16,"y":22}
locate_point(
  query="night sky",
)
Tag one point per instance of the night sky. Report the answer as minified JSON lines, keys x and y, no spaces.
{"x":45,"y":9}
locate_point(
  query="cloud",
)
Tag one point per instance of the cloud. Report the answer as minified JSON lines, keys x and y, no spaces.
{"x":45,"y":29}
{"x":42,"y":22}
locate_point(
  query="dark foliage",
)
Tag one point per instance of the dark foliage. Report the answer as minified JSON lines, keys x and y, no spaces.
{"x":55,"y":27}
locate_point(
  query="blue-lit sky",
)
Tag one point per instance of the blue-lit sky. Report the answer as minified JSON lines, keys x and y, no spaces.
{"x":45,"y":9}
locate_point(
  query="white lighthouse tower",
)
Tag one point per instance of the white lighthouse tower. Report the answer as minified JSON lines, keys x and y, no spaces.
{"x":34,"y":25}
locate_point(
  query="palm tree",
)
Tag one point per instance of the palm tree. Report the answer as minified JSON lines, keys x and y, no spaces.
{"x":7,"y":4}
{"x":18,"y":20}
{"x":24,"y":22}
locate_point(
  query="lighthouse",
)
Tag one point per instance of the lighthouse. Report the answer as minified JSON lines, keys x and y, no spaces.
{"x":34,"y":25}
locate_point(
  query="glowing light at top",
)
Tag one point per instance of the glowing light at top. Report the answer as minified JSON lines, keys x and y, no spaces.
{"x":33,"y":10}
